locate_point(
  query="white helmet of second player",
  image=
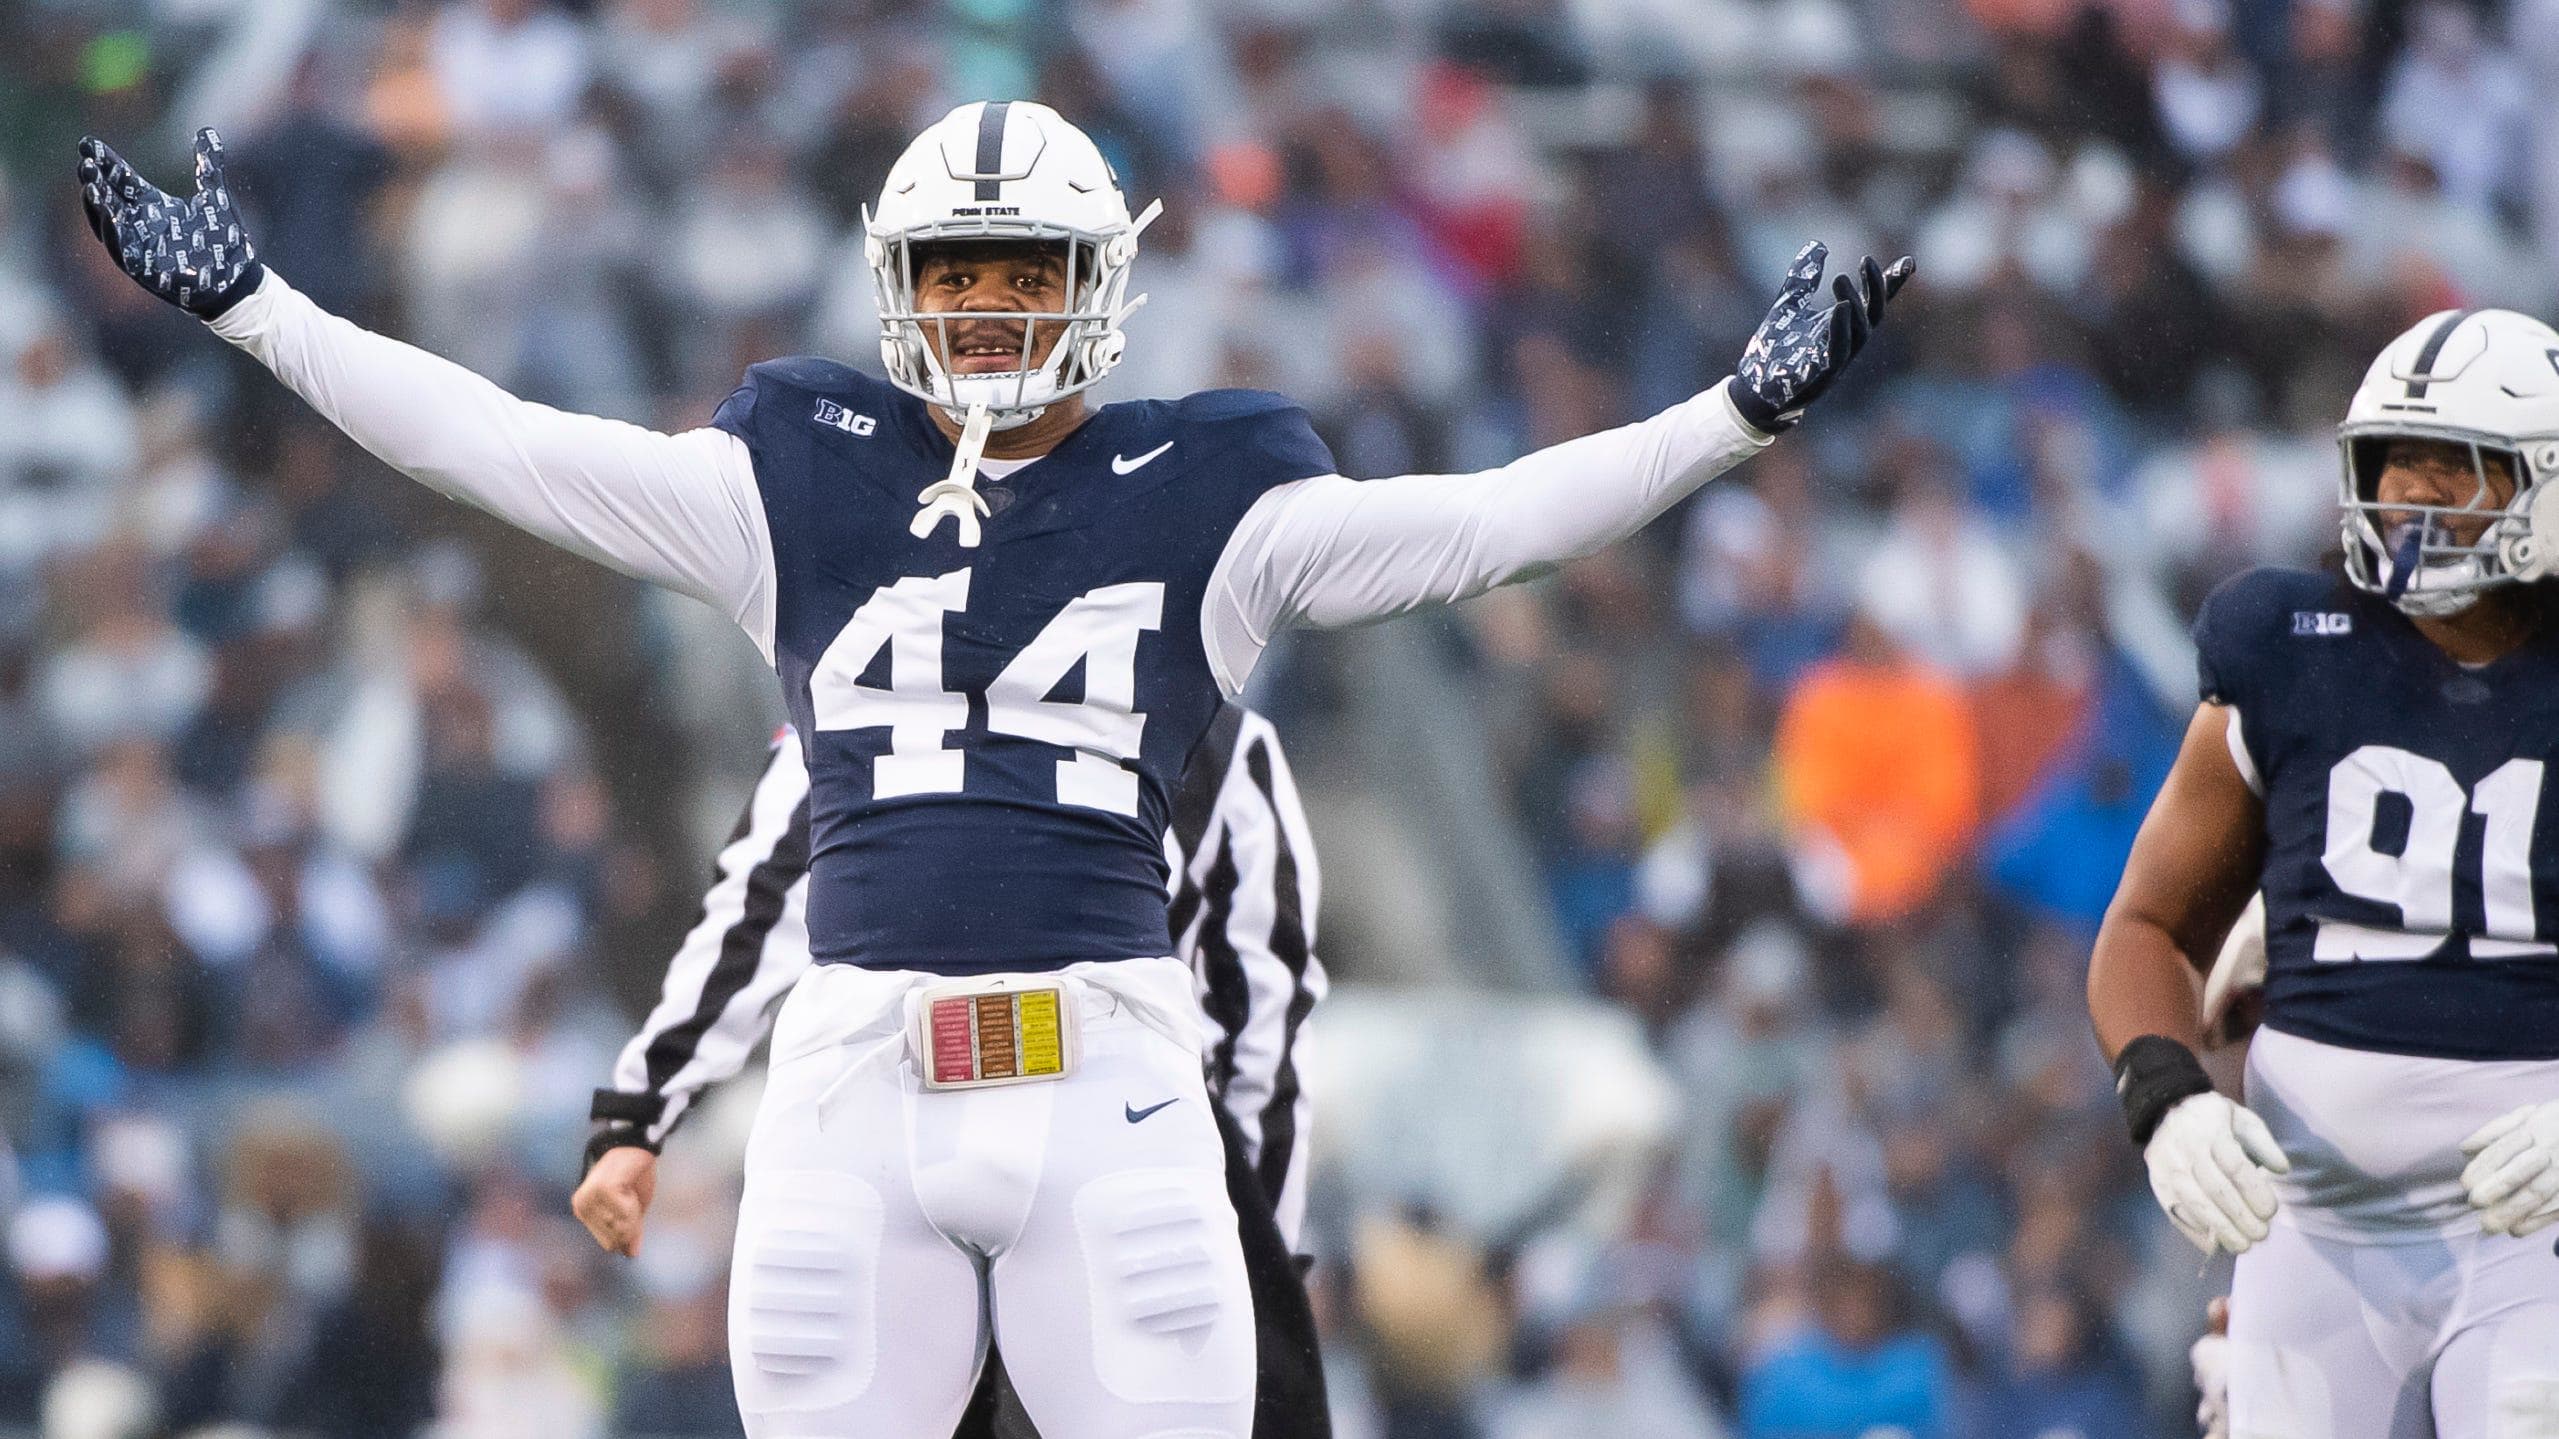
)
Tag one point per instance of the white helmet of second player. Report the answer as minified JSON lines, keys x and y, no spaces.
{"x":2486,"y":380}
{"x":1006,"y":170}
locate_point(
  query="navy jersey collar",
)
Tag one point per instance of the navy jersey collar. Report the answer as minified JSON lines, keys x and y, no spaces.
{"x":1068,"y":484}
{"x":914,"y":420}
{"x":2410,"y":645}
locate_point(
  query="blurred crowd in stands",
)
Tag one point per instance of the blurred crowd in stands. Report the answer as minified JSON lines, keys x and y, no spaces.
{"x":339,"y":829}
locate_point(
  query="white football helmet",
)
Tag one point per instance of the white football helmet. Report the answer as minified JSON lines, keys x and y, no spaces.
{"x":2485,"y":379}
{"x":1006,"y":170}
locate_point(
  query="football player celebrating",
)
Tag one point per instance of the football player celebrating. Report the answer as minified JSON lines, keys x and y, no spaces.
{"x":2371,"y":751}
{"x":1001,"y":619}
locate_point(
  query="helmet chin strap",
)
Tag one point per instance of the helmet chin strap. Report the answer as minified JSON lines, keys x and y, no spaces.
{"x":1011,"y":398}
{"x":2404,"y":560}
{"x":2433,"y":605}
{"x":955,"y":495}
{"x":998,"y":420}
{"x":2407,"y":567}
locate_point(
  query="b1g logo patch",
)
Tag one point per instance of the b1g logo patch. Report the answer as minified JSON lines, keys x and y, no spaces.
{"x":2329,"y":623}
{"x":835,"y":416}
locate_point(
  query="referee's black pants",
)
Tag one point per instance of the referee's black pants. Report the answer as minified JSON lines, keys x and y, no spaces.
{"x":1288,"y":1398}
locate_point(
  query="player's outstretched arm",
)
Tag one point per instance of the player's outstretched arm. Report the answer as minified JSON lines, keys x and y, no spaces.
{"x":2192,"y":870}
{"x":750,"y":945}
{"x":1331,"y":551}
{"x":678,"y":510}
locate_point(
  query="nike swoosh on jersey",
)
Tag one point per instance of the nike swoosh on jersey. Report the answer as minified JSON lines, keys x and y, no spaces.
{"x":1135,"y":1114}
{"x":1121,"y":465}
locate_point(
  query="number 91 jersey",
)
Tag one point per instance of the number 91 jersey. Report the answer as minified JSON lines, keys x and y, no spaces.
{"x":2411,"y":870}
{"x":993,"y":732}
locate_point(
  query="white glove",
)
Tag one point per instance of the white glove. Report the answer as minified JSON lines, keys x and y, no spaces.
{"x":2210,"y":1359}
{"x":2209,"y":1161}
{"x":2513,"y":1174}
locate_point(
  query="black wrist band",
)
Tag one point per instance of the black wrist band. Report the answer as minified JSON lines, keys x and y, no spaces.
{"x":241,"y":289}
{"x":610,"y":1136}
{"x":1755,"y":412}
{"x":629,"y":1108}
{"x":2152,"y":1074}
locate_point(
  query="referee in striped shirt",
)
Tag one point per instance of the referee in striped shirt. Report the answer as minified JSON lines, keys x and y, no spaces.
{"x":1242,"y":910}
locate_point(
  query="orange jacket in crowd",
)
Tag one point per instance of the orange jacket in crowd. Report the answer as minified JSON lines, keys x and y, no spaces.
{"x":1879,"y":755}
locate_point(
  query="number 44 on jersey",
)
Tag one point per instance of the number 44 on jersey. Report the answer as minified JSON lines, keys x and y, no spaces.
{"x":1099,"y":628}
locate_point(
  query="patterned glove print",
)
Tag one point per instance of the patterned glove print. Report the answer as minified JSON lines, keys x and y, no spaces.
{"x":1801,"y":347}
{"x":191,"y":251}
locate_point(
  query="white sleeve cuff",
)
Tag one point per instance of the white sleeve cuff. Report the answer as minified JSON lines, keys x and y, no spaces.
{"x":2239,"y":754}
{"x":1749,"y":432}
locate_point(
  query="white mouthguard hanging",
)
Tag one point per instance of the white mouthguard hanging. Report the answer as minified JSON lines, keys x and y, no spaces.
{"x":956,"y":495}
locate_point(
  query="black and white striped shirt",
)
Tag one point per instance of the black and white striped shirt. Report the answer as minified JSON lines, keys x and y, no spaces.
{"x":1242,"y":912}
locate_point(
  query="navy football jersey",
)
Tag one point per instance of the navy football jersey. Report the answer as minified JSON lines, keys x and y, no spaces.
{"x":992,"y":733}
{"x":2412,"y":868}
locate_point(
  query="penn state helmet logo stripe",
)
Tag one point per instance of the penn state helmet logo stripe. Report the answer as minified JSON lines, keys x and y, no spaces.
{"x":990,"y":151}
{"x":2423,"y":373}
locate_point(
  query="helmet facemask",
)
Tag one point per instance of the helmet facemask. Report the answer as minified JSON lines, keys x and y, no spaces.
{"x":2413,"y":554}
{"x":914,"y":341}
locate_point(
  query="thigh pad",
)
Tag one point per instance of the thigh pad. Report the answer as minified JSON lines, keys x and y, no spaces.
{"x":804,"y":1323}
{"x":1172,"y":1308}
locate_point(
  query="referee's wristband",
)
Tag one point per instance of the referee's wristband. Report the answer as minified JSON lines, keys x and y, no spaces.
{"x":2152,"y":1075}
{"x":611,"y":1135}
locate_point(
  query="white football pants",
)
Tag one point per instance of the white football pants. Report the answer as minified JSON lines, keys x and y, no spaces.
{"x":888,"y":1232}
{"x":2454,"y":1337}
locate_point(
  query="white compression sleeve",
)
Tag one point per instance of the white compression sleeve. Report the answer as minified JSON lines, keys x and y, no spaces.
{"x":677,"y":510}
{"x":1331,"y":551}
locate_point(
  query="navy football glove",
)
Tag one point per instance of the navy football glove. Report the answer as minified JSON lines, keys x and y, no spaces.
{"x":190,"y":252}
{"x":1802,"y":346}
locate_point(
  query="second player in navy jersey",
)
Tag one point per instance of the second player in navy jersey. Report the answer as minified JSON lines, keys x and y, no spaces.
{"x":2409,"y":858}
{"x":1001,"y":620}
{"x":2372,"y":755}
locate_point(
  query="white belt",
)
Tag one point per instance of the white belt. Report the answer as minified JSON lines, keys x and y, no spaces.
{"x":1036,"y":1041}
